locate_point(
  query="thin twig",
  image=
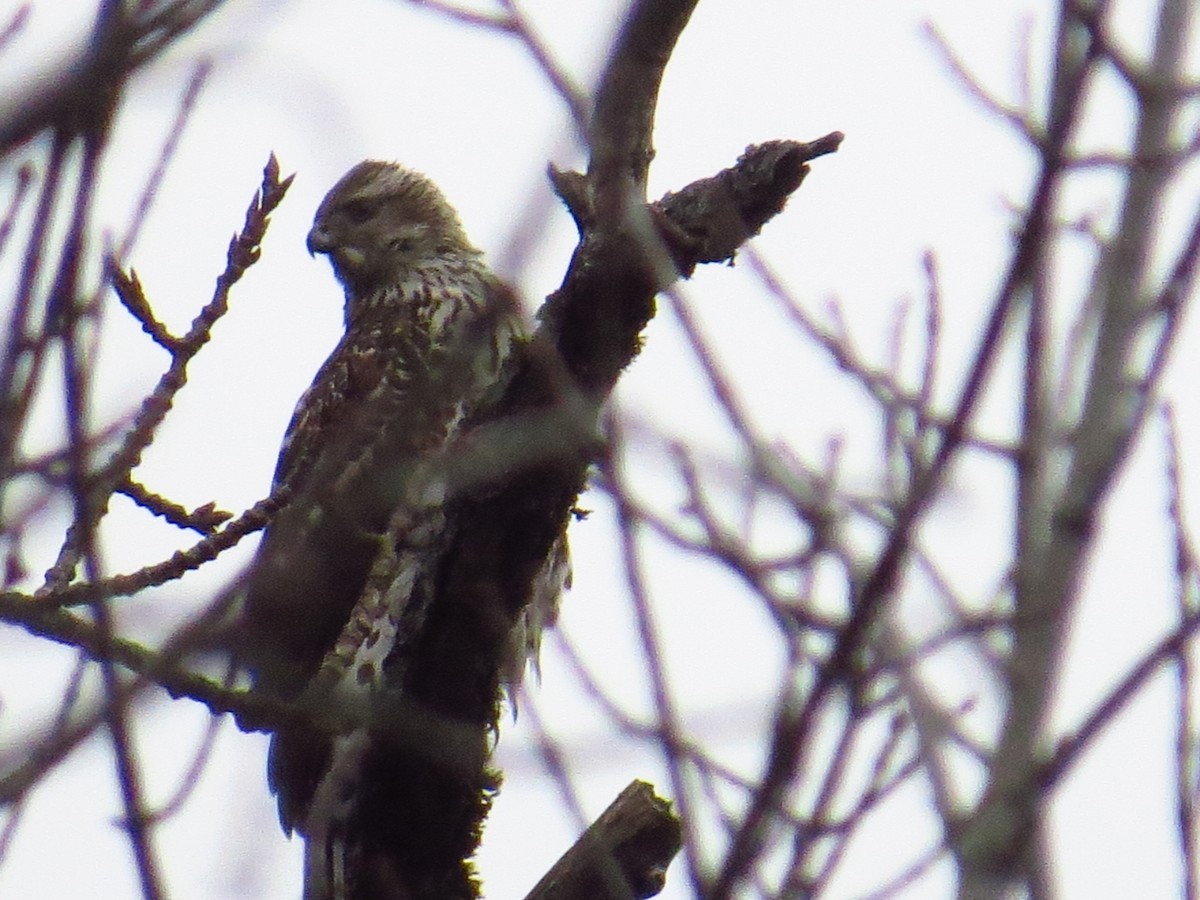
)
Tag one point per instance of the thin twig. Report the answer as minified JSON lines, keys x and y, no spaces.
{"x":187,"y":105}
{"x":243,"y":252}
{"x":652,"y":654}
{"x":204,"y":519}
{"x":21,"y":185}
{"x":182,"y":561}
{"x":14,"y":26}
{"x":554,"y":763}
{"x":795,"y":732}
{"x":1187,"y":575}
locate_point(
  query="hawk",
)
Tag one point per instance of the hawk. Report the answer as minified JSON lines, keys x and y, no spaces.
{"x":347,"y":572}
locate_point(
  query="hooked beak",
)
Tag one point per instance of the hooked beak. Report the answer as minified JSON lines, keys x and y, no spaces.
{"x":319,"y":240}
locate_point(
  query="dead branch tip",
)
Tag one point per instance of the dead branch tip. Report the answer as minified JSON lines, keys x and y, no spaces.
{"x":624,"y":853}
{"x":720,"y":213}
{"x":571,"y":188}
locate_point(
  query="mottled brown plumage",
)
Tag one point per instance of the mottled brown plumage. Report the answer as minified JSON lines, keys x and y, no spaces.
{"x":347,"y":573}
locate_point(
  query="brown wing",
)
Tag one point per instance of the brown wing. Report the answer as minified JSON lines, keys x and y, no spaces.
{"x":342,"y":384}
{"x":314,"y":558}
{"x":314,"y":555}
{"x":391,"y":394}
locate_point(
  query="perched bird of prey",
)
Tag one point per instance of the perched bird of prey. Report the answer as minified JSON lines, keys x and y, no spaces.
{"x":347,"y":572}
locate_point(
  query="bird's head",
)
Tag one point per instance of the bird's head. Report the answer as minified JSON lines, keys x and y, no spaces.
{"x":382,"y":221}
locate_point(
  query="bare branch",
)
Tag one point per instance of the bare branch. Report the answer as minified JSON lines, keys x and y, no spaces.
{"x":623,"y":855}
{"x":203,"y":519}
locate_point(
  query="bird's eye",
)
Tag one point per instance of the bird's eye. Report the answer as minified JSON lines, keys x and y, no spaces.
{"x":403,"y":244}
{"x":359,"y":211}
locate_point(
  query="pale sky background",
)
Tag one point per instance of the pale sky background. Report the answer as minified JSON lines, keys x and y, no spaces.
{"x":324,"y":85}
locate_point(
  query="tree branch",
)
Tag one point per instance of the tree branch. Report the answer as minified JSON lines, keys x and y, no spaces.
{"x":624,"y":854}
{"x":502,"y":524}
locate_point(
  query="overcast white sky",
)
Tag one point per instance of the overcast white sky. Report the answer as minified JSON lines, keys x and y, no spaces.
{"x":324,"y":85}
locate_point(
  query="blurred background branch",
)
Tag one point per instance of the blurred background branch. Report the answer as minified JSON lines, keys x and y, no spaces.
{"x":900,"y":718}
